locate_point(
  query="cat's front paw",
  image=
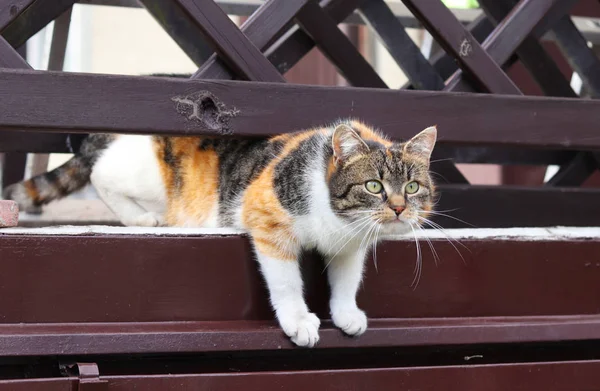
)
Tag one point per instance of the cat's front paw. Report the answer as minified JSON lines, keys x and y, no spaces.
{"x":352,"y":321}
{"x":301,"y":327}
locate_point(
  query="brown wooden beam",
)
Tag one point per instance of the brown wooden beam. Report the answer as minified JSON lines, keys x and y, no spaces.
{"x":337,"y":47}
{"x":248,"y":108}
{"x":565,"y":376}
{"x":32,"y":19}
{"x":287,"y":52}
{"x":518,"y":206}
{"x":453,"y":37}
{"x":401,"y":47}
{"x":230,"y":42}
{"x":222,"y":304}
{"x":541,"y":66}
{"x":10,"y":9}
{"x":270,"y":19}
{"x":508,"y":35}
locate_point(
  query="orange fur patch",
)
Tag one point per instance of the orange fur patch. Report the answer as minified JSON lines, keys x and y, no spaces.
{"x":32,"y":190}
{"x":198,"y":170}
{"x":264,"y":216}
{"x":366,"y":133}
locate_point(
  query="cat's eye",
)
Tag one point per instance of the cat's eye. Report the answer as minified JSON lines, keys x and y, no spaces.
{"x":374,"y":187}
{"x":411,"y":188}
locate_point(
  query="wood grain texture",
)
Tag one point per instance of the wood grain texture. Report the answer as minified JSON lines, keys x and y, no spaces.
{"x":10,"y":9}
{"x":33,"y":18}
{"x":105,"y":104}
{"x":215,"y":279}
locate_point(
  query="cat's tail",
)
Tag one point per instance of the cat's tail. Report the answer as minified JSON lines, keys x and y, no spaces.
{"x":60,"y":182}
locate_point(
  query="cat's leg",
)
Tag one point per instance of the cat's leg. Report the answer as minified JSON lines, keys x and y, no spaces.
{"x":345,"y":273}
{"x":284,"y":281}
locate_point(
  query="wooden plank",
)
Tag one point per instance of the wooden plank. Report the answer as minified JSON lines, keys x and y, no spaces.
{"x":9,"y":58}
{"x":453,"y":37}
{"x":336,"y":46}
{"x":182,"y":29}
{"x":517,"y":206}
{"x":541,"y":66}
{"x":19,"y":141}
{"x":581,"y":57}
{"x":512,"y":30}
{"x":575,"y":172}
{"x":250,"y":109}
{"x":563,"y":376}
{"x":211,"y":337}
{"x":286,"y":53}
{"x":222,"y":304}
{"x":10,"y":9}
{"x":556,"y":376}
{"x":444,"y":63}
{"x":260,"y":29}
{"x":33,"y":19}
{"x":230,"y":42}
{"x":401,"y":47}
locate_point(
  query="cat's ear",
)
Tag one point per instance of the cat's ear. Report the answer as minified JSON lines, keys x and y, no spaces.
{"x":347,"y":143}
{"x":422,"y":144}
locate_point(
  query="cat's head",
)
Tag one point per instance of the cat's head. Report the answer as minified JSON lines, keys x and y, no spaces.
{"x":373,"y":179}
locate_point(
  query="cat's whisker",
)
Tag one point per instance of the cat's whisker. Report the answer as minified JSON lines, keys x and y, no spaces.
{"x":442,"y":160}
{"x":439,"y":213}
{"x":418,"y":265}
{"x":448,"y":238}
{"x":375,"y":247}
{"x":346,"y":226}
{"x":366,"y":224}
{"x":354,"y":223}
{"x":436,"y":257}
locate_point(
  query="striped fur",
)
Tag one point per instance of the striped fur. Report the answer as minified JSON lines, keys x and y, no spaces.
{"x":290,"y":192}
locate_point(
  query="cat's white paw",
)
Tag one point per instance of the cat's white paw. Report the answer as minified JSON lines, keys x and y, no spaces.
{"x":352,"y":321}
{"x":301,"y":327}
{"x":149,"y":219}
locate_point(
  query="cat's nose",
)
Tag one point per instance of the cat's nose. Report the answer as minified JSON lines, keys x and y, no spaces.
{"x":397,"y":209}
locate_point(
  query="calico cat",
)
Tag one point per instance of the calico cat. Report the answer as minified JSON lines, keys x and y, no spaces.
{"x":334,"y":189}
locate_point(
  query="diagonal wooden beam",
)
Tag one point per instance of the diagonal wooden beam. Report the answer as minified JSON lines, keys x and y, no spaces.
{"x":30,"y":20}
{"x":9,"y":9}
{"x":453,"y":37}
{"x":400,"y":46}
{"x":509,"y":33}
{"x":532,"y":54}
{"x":286,"y":52}
{"x":582,"y":58}
{"x":444,"y":63}
{"x":337,"y":47}
{"x":239,"y":53}
{"x":181,"y":28}
{"x":271,"y":18}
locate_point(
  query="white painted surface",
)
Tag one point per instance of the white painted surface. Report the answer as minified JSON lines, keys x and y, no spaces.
{"x":526,"y":234}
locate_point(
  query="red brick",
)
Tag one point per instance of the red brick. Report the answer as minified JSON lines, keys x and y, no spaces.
{"x":9,"y":214}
